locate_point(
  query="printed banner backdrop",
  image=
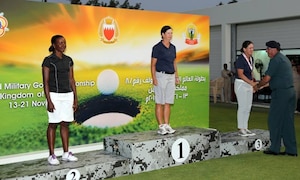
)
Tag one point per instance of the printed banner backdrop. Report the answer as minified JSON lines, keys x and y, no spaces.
{"x":111,"y":49}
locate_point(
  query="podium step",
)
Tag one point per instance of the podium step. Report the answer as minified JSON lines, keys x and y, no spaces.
{"x":233,"y":144}
{"x":90,"y":165}
{"x":127,"y":154}
{"x":150,"y":151}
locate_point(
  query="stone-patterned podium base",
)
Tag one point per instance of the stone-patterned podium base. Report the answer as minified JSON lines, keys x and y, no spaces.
{"x":234,"y":144}
{"x":92,"y":165}
{"x":139,"y":152}
{"x":150,"y":151}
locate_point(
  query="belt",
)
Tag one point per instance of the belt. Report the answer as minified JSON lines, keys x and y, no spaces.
{"x":165,"y":72}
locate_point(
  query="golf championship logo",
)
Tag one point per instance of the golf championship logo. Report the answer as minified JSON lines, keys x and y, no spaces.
{"x":108,"y":30}
{"x":191,"y":35}
{"x":3,"y":24}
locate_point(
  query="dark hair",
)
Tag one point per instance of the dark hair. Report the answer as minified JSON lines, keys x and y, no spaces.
{"x":164,"y":29}
{"x":245,"y":45}
{"x":53,"y":40}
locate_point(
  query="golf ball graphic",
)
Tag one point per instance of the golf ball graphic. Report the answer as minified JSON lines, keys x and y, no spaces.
{"x":107,"y":82}
{"x":107,"y":109}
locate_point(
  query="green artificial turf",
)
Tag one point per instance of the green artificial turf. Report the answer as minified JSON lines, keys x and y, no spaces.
{"x":254,"y":165}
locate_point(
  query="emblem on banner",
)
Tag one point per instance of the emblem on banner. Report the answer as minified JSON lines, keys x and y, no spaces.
{"x":191,"y":35}
{"x":108,"y":30}
{"x":3,"y":24}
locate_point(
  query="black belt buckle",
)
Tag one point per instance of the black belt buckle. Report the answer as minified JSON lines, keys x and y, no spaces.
{"x":164,"y":72}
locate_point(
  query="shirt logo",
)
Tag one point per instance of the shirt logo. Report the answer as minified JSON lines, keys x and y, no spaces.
{"x":3,"y":24}
{"x":191,"y":36}
{"x":108,"y":30}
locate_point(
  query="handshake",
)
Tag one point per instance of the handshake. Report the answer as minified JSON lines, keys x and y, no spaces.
{"x":257,"y":87}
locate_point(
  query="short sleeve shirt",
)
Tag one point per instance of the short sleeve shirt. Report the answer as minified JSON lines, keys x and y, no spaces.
{"x":280,"y":71}
{"x":59,"y":79}
{"x":241,"y":63}
{"x":165,"y":57}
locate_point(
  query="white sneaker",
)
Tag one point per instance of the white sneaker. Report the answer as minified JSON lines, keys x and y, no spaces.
{"x":242,"y":132}
{"x":68,"y":156}
{"x":169,"y":129}
{"x":53,"y":160}
{"x":249,"y":132}
{"x":162,"y":130}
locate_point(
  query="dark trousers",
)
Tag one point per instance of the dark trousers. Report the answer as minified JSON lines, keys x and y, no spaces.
{"x":281,"y":120}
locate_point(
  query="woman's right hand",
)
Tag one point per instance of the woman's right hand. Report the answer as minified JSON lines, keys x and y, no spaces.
{"x":50,"y":106}
{"x":154,"y":82}
{"x":253,"y":83}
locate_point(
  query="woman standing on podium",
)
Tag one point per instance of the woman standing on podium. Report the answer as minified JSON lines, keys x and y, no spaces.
{"x":244,"y":87}
{"x":165,"y":76}
{"x":60,"y":92}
